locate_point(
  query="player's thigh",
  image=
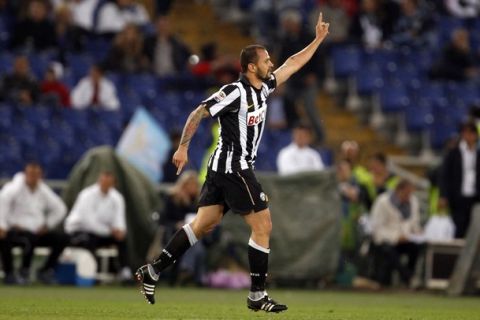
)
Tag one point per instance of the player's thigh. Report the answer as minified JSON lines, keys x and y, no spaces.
{"x":243,"y":193}
{"x":207,"y":218}
{"x":259,"y":222}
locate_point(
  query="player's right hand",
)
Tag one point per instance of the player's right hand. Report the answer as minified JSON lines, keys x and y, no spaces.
{"x":321,"y":29}
{"x":3,"y":233}
{"x":180,"y":158}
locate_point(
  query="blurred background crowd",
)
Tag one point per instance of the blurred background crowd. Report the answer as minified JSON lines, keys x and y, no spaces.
{"x":394,"y":77}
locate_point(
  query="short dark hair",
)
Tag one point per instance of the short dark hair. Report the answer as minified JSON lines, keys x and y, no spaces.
{"x":469,"y":126}
{"x":107,"y":172}
{"x":403,"y":183}
{"x":99,"y":67}
{"x":380,"y":157}
{"x":249,"y":54}
{"x":302,"y":125}
{"x":33,"y":164}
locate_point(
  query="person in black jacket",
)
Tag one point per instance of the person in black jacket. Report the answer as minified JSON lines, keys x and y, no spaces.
{"x":19,"y":87}
{"x":460,"y":178}
{"x":458,"y":61}
{"x":36,"y":31}
{"x":166,"y":53}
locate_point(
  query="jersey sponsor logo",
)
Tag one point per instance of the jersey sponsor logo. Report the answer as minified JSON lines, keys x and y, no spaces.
{"x":256,"y":117}
{"x":219,"y":96}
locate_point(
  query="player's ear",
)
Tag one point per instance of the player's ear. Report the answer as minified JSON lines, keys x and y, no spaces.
{"x":252,"y":67}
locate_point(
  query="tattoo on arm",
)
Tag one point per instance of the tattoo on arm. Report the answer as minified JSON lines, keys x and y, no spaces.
{"x":192,"y":124}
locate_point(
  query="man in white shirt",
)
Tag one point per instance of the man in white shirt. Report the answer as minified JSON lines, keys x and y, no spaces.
{"x":29,"y":212}
{"x":114,"y":16}
{"x":298,"y":156}
{"x":98,"y":219}
{"x":95,"y":90}
{"x":82,"y":11}
{"x":396,"y":230}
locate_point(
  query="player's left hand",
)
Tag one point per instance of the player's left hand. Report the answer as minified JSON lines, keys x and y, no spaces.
{"x":180,"y":158}
{"x":321,"y":30}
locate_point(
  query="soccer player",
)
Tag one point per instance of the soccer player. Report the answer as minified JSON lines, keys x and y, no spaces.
{"x":240,"y":108}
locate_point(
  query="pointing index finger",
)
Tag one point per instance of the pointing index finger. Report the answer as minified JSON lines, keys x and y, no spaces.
{"x":320,"y":18}
{"x":179,"y":170}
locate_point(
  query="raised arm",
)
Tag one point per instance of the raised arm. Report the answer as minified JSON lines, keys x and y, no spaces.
{"x":180,"y":158}
{"x":299,"y":59}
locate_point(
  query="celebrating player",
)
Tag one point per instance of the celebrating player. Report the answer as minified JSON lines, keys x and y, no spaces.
{"x":240,"y":108}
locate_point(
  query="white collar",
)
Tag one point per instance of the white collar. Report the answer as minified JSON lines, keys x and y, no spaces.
{"x":464,"y":147}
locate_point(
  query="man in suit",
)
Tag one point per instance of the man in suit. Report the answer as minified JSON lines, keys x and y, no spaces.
{"x":460,"y":174}
{"x":166,"y":53}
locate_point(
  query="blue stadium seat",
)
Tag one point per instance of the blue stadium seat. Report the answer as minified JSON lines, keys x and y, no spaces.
{"x":129,"y":101}
{"x":191,"y":99}
{"x":98,"y":48}
{"x":441,"y":131}
{"x":24,"y":133}
{"x":112,"y":119}
{"x":380,"y":57}
{"x":346,"y":61}
{"x":63,"y":133}
{"x":78,"y":119}
{"x":6,"y":116}
{"x":39,"y":63}
{"x":38,"y":116}
{"x":10,"y":150}
{"x":327,"y":156}
{"x":145,"y":85}
{"x":406,"y":73}
{"x":161,"y":116}
{"x":6,"y":62}
{"x":168,"y":107}
{"x":418,"y":115}
{"x":468,"y":92}
{"x":100,"y":134}
{"x":432,"y":91}
{"x":369,"y":79}
{"x":280,"y":138}
{"x":117,"y":79}
{"x":393,"y":97}
{"x":266,"y":159}
{"x":79,"y":64}
{"x":461,"y":111}
{"x":423,"y":59}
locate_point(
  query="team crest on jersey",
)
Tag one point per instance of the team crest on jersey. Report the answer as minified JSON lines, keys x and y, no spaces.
{"x":219,"y":96}
{"x":256,"y":117}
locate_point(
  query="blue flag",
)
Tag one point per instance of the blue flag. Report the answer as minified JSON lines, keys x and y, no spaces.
{"x":145,"y":144}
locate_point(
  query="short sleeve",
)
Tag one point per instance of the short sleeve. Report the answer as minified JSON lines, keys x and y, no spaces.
{"x":227,"y":99}
{"x":271,"y":84}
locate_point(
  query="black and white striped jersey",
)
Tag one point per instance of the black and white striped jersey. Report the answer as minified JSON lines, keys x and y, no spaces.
{"x":240,"y":110}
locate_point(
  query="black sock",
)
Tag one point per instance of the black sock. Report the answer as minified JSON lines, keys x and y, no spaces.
{"x":175,"y":248}
{"x":258,"y":259}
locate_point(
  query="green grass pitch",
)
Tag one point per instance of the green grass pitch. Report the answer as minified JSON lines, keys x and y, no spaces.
{"x":40,"y":302}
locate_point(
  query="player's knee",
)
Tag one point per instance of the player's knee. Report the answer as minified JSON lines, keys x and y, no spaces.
{"x":202,"y":229}
{"x":263,"y":228}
